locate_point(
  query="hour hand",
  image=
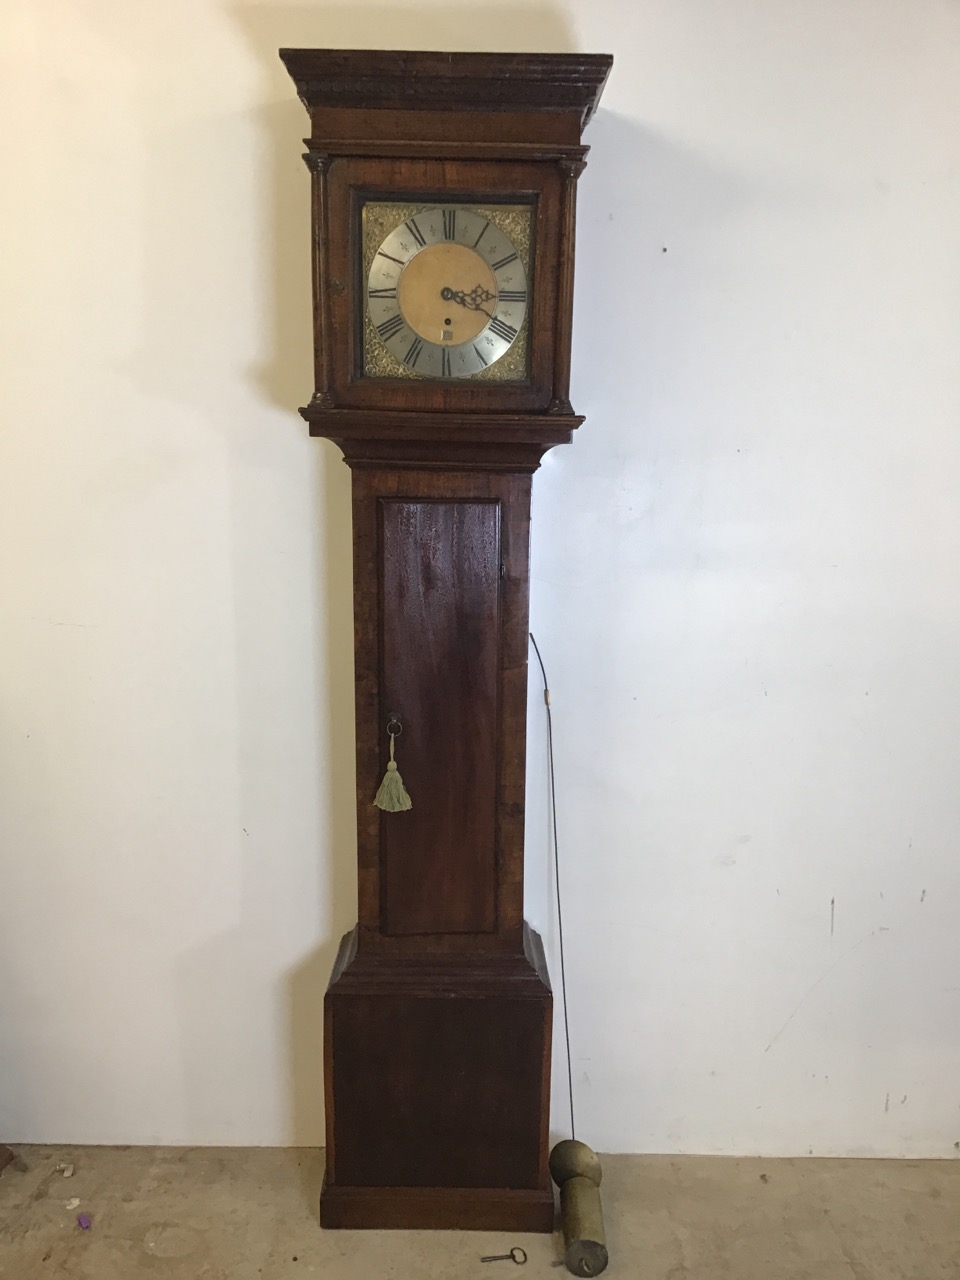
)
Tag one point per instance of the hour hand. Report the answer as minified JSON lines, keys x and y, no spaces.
{"x":472,"y":300}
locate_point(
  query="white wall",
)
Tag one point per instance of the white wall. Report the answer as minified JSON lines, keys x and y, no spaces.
{"x":745,"y":577}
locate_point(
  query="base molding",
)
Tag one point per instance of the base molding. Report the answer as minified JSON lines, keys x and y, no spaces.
{"x":437,"y":1208}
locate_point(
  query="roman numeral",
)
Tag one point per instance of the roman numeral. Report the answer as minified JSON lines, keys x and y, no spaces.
{"x":502,"y":329}
{"x":399,"y":261}
{"x":504,"y":262}
{"x":391,"y":326}
{"x":481,"y":235}
{"x":445,"y":370}
{"x":413,"y":355}
{"x":449,"y":224}
{"x":511,"y":295}
{"x":479,"y":355}
{"x":416,"y":232}
{"x":385,"y":293}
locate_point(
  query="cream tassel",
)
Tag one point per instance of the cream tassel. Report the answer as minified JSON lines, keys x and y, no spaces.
{"x":392,"y":795}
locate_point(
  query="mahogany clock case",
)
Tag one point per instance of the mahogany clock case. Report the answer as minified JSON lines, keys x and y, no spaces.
{"x":438,"y":1014}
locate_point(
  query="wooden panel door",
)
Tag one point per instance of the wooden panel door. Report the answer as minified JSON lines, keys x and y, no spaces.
{"x":440,"y":654}
{"x":440,"y":571}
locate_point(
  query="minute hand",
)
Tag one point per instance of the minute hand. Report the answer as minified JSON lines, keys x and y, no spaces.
{"x":471,"y":300}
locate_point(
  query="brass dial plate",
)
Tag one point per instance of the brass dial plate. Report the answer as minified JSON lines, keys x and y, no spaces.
{"x":446,"y":291}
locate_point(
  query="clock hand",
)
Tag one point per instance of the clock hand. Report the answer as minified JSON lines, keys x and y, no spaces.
{"x":469,"y":300}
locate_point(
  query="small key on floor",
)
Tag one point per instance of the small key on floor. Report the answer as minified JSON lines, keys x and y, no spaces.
{"x":516,"y":1255}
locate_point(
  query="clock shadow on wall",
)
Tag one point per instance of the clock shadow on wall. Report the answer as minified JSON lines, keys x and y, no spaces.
{"x":286,"y":380}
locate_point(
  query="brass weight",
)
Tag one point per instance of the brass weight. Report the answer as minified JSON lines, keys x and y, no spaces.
{"x":576,"y":1171}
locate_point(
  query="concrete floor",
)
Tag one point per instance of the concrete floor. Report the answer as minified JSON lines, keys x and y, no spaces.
{"x":243,"y":1214}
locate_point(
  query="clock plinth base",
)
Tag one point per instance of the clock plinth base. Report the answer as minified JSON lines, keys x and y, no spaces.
{"x":438,"y":1078}
{"x":437,"y":1209}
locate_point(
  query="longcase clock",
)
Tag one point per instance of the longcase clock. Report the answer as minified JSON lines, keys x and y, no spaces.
{"x":444,"y":196}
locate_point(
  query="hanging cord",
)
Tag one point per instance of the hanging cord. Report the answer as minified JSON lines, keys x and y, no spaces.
{"x":556,"y":868}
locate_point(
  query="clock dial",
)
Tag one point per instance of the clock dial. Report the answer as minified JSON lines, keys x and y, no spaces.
{"x":446,"y":292}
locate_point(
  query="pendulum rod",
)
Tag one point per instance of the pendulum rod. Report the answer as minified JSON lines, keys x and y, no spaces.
{"x":573,"y":1165}
{"x":556,"y":872}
